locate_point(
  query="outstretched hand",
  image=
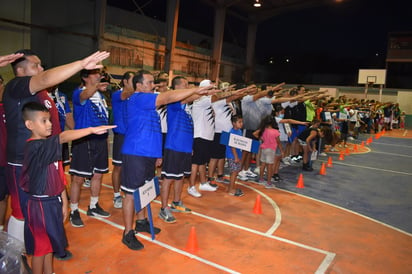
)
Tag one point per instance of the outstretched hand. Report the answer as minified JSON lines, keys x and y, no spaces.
{"x":7,"y":59}
{"x":102,"y":129}
{"x":94,"y":61}
{"x":207,"y":90}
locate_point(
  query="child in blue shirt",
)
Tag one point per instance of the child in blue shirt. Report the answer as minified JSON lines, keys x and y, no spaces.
{"x":234,"y":157}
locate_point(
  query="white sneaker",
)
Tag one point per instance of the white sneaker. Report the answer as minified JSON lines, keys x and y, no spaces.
{"x":192,"y":191}
{"x":351,"y":138}
{"x":242,"y":173}
{"x":249,"y":173}
{"x":242,"y":178}
{"x":87,"y":182}
{"x":207,"y":187}
{"x":257,"y":170}
{"x":323,"y":154}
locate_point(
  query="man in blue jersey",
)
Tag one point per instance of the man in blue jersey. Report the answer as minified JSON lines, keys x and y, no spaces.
{"x":142,"y":148}
{"x":119,"y":99}
{"x":89,"y":154}
{"x":177,"y":159}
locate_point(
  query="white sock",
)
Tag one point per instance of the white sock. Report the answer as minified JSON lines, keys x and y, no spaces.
{"x":93,"y":201}
{"x":74,"y":207}
{"x":117,"y":194}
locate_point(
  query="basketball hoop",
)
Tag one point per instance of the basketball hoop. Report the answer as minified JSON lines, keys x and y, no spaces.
{"x":370,"y":84}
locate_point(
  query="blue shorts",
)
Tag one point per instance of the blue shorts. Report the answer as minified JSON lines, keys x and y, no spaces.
{"x":136,"y":170}
{"x":44,"y":229}
{"x":118,"y":140}
{"x":296,"y":131}
{"x":176,"y":165}
{"x":89,"y":156}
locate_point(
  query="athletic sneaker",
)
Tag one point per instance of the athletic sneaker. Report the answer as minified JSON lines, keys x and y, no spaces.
{"x":192,"y":191}
{"x":270,"y":185}
{"x":238,"y":193}
{"x":242,"y":173}
{"x":179,"y":207}
{"x":286,"y":160}
{"x":243,"y":178}
{"x":261,"y":181}
{"x":67,"y":256}
{"x":213,"y":184}
{"x":207,"y":187}
{"x":144,"y":226}
{"x":131,"y":241}
{"x":276,"y":177}
{"x":221,"y":179}
{"x":86,"y":182}
{"x":323,"y":154}
{"x":307,"y":168}
{"x":97,"y":211}
{"x":249,"y":173}
{"x":166,"y":215}
{"x":75,"y":219}
{"x":118,"y":202}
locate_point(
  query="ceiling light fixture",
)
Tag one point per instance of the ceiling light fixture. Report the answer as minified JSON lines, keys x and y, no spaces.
{"x":257,"y":4}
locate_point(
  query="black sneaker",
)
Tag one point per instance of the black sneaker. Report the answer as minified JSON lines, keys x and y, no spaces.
{"x":307,"y":168}
{"x":97,"y":211}
{"x":144,"y":226}
{"x":75,"y":219}
{"x":67,"y":256}
{"x":276,"y":177}
{"x":131,"y":241}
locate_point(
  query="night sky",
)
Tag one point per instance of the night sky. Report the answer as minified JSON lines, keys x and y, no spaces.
{"x":352,"y":33}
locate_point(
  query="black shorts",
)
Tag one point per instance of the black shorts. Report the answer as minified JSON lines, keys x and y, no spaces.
{"x":66,"y":154}
{"x":4,"y":191}
{"x":176,"y":165}
{"x":217,"y":150}
{"x":136,"y":170}
{"x":118,"y":140}
{"x":201,"y":151}
{"x":89,"y":156}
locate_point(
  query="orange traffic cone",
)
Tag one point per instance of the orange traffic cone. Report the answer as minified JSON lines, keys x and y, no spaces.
{"x":257,"y":209}
{"x":322,"y":170}
{"x":347,"y":152}
{"x":191,"y":245}
{"x":330,"y":162}
{"x":362,"y":144}
{"x":341,"y":156}
{"x":355,"y":148}
{"x":300,"y":183}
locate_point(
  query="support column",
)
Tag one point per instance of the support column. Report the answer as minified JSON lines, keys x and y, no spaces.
{"x":100,"y":22}
{"x":172,"y":19}
{"x":250,"y":51}
{"x":218,"y":32}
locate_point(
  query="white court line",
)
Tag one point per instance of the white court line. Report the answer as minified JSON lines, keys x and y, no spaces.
{"x":373,"y":168}
{"x":327,"y":261}
{"x":278,"y":215}
{"x":190,"y":255}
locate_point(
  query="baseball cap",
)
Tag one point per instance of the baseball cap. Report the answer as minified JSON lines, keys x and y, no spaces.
{"x":205,"y":83}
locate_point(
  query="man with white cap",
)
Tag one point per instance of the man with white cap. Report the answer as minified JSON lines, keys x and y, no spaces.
{"x":204,"y":131}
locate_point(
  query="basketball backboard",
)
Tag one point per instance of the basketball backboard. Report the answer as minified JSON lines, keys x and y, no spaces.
{"x":374,"y":76}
